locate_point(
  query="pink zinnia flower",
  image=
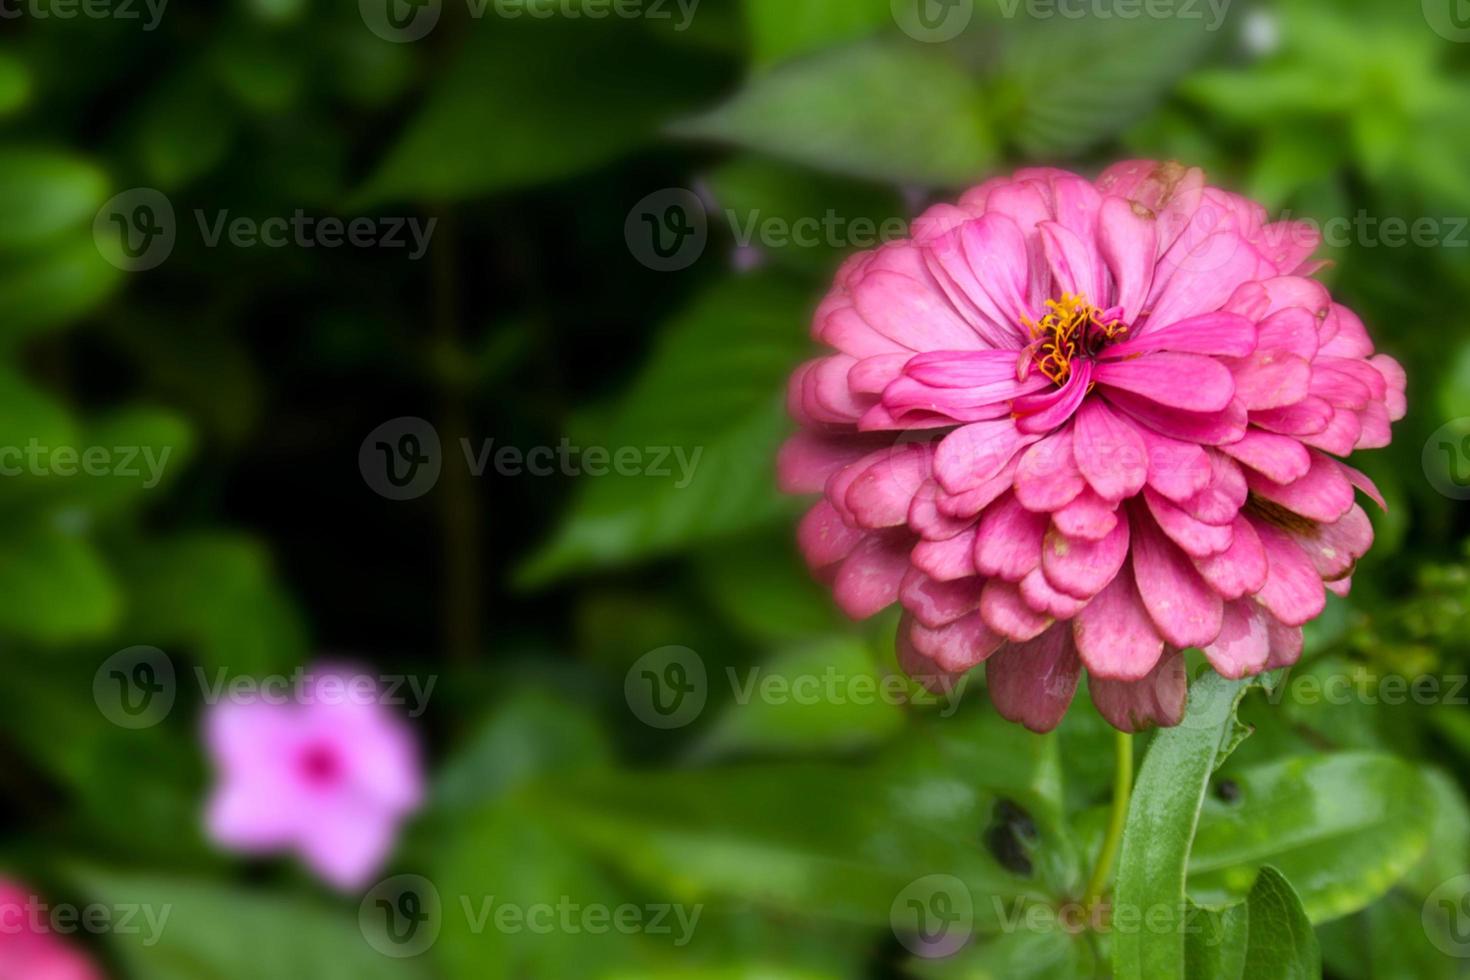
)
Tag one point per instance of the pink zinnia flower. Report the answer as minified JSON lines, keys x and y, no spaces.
{"x":1087,"y":424}
{"x":330,"y":777}
{"x":29,"y":950}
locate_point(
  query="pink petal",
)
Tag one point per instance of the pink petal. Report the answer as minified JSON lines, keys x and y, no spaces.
{"x":1041,"y":413}
{"x":881,"y":496}
{"x":1115,"y":635}
{"x":1280,"y":458}
{"x":1241,"y":569}
{"x":1293,"y":591}
{"x":1127,"y":239}
{"x":1397,"y":380}
{"x":1219,"y":502}
{"x":1334,"y":549}
{"x":1009,"y":542}
{"x":1195,"y":537}
{"x":1040,"y":596}
{"x":1289,"y":331}
{"x":823,"y":537}
{"x":1216,"y":334}
{"x":868,"y":580}
{"x":1323,"y":494}
{"x":807,"y":459}
{"x":1286,"y":644}
{"x":920,"y":668}
{"x":1271,"y":379}
{"x":915,"y":314}
{"x":1134,"y":706}
{"x":1088,"y":518}
{"x":1205,"y":428}
{"x":1047,"y":477}
{"x":1243,"y":646}
{"x":1203,"y":278}
{"x":957,"y":646}
{"x":1109,"y":452}
{"x":947,"y":560}
{"x":972,"y":454}
{"x":1183,"y":607}
{"x":1074,"y":265}
{"x":1178,"y":470}
{"x":1080,"y":568}
{"x":1006,"y":612}
{"x":936,"y":604}
{"x":1033,"y":682}
{"x":1191,"y":382}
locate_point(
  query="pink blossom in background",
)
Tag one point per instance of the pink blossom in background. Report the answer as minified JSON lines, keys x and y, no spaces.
{"x":29,"y":950}
{"x":330,"y":777}
{"x":1075,"y":423}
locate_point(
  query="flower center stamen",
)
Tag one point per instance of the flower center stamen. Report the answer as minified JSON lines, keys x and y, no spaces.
{"x":1072,"y":328}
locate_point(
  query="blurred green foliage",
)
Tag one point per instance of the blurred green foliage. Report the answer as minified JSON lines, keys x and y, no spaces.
{"x":793,"y":826}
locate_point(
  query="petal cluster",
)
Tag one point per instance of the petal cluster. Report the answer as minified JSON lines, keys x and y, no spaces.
{"x":1080,"y":424}
{"x":329,"y":774}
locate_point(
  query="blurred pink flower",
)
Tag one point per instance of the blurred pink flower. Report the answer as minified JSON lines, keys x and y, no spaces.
{"x":330,"y":776}
{"x":1079,"y":424}
{"x":29,"y":950}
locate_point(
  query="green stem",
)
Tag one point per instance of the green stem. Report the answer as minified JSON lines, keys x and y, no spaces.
{"x":1122,"y":789}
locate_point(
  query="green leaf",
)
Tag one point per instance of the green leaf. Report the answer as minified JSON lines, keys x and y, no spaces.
{"x":184,"y":131}
{"x":782,"y":28}
{"x":710,"y":401}
{"x":508,"y":113}
{"x":216,"y":592}
{"x":218,"y":933}
{"x":1343,"y":828}
{"x":53,"y":286}
{"x":44,"y":193}
{"x":1049,"y":954}
{"x":1282,"y":944}
{"x":1161,"y":823}
{"x":531,"y":734}
{"x":54,"y":587}
{"x":825,"y":696}
{"x":883,"y":110}
{"x":1071,"y":83}
{"x":16,"y":85}
{"x":1215,"y":942}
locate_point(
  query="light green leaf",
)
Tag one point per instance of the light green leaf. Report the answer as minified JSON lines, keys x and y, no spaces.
{"x":508,"y":113}
{"x":1069,"y":84}
{"x":710,"y":402}
{"x":1342,"y":828}
{"x":218,"y":933}
{"x":44,"y":193}
{"x":1282,"y":944}
{"x":1161,"y":824}
{"x":829,"y":695}
{"x":884,"y":110}
{"x":217,"y":593}
{"x":52,"y":286}
{"x":15,"y":85}
{"x":782,"y":28}
{"x":54,"y":587}
{"x":1215,"y":942}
